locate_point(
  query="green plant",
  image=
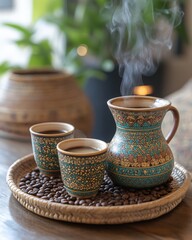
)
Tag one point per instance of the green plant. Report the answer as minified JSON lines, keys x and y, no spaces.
{"x":81,"y":23}
{"x":76,"y":29}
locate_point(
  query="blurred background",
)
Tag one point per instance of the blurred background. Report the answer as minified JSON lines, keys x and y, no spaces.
{"x":72,"y":36}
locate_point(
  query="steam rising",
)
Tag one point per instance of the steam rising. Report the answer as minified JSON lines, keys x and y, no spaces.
{"x":140,"y":30}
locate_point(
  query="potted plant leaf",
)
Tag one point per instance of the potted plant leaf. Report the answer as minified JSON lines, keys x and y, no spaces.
{"x":81,"y":25}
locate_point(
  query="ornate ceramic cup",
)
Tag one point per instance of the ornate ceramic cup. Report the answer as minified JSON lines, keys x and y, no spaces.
{"x":82,"y":164}
{"x":45,"y":137}
{"x":138,"y":155}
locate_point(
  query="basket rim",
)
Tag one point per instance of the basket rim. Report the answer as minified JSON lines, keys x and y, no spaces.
{"x":134,"y":208}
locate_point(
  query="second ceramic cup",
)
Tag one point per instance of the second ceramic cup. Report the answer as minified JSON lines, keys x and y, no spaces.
{"x":45,"y":137}
{"x":82,"y":164}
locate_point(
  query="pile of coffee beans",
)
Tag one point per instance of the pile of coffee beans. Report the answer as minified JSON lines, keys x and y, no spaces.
{"x":52,"y":189}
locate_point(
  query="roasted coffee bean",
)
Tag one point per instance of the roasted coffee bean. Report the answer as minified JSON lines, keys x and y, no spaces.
{"x":21,"y":184}
{"x":57,"y":194}
{"x":45,"y":197}
{"x":64,"y":201}
{"x":39,"y":194}
{"x":98,"y":204}
{"x":85,"y":204}
{"x":53,"y":190}
{"x":81,"y":202}
{"x":111,"y":189}
{"x":104,"y":203}
{"x":88,"y":200}
{"x":125,"y":196}
{"x":50,"y":195}
{"x":27,"y":177}
{"x":76,"y":202}
{"x":29,"y":188}
{"x":32,"y":182}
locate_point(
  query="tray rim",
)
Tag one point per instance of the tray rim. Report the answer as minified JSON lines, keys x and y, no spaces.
{"x":92,"y":214}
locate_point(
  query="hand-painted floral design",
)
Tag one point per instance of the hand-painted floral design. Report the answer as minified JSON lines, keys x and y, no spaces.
{"x":82,"y":176}
{"x":45,"y":153}
{"x":138,"y":155}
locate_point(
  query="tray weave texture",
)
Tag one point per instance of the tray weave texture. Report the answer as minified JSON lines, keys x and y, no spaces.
{"x":92,"y":214}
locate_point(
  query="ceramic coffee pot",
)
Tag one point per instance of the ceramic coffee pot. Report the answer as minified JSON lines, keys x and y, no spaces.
{"x":139,"y":155}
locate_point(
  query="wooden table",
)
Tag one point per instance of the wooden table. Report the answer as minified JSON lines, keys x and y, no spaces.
{"x":17,"y":223}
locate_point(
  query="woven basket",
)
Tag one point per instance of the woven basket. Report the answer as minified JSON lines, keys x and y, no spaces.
{"x":42,"y":95}
{"x":91,"y":214}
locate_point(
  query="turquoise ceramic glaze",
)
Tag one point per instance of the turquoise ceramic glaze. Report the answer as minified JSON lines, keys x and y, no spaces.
{"x":139,"y":155}
{"x":82,"y":176}
{"x":45,"y":145}
{"x":82,"y":172}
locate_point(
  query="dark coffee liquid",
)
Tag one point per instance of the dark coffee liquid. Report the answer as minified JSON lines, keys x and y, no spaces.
{"x":53,"y":131}
{"x":82,"y":150}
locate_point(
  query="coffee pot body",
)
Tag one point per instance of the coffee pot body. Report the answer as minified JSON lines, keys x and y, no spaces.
{"x":139,"y":155}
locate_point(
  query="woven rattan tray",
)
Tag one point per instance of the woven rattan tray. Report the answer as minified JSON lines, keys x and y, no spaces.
{"x":91,"y":214}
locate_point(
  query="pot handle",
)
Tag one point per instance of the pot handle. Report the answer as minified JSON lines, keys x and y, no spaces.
{"x":175,"y":124}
